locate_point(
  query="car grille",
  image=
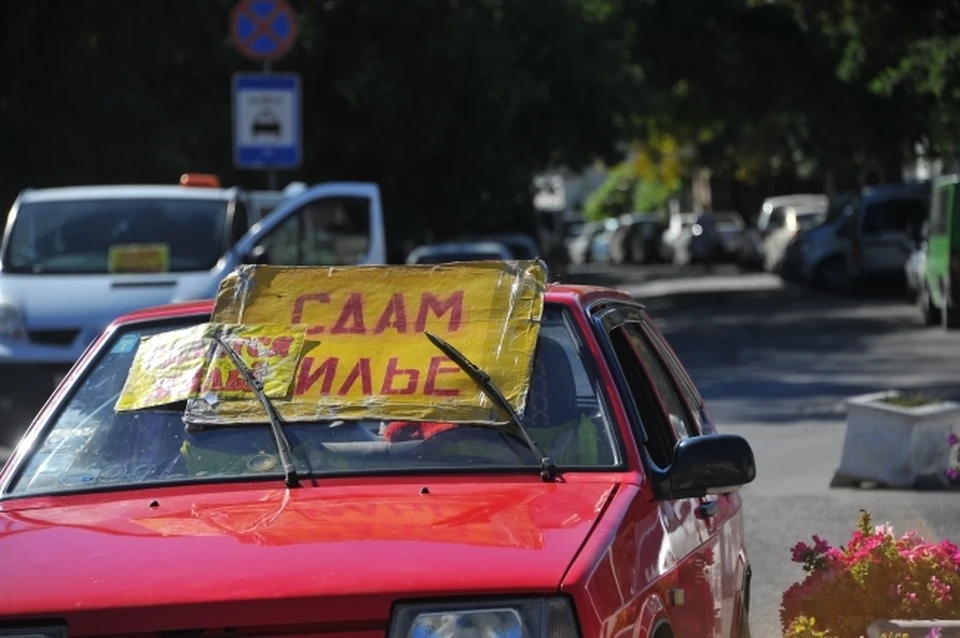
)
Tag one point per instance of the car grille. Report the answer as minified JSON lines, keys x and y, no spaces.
{"x":53,"y":337}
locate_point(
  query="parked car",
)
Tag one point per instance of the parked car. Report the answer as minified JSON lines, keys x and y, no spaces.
{"x":939,"y":285}
{"x":521,"y":246}
{"x":795,"y":221}
{"x":729,"y":227}
{"x":581,"y":246}
{"x":446,"y":252}
{"x":770,"y":220}
{"x":600,"y":245}
{"x":311,"y":524}
{"x":637,"y":239}
{"x":75,"y":258}
{"x":864,"y":239}
{"x":677,"y":232}
{"x":914,"y":270}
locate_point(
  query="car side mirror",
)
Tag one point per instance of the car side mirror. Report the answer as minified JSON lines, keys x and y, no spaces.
{"x":257,"y":256}
{"x":711,"y":464}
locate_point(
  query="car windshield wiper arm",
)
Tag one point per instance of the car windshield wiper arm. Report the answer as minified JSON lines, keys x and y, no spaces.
{"x":548,"y":469}
{"x":276,"y":426}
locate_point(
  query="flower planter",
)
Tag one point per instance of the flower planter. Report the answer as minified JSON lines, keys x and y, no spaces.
{"x":897,"y":446}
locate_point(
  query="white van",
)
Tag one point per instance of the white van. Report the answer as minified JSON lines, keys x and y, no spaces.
{"x":73,"y":259}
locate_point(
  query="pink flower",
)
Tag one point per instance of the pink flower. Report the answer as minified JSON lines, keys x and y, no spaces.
{"x":953,"y":474}
{"x":953,"y":439}
{"x":799,"y":552}
{"x":936,"y":632}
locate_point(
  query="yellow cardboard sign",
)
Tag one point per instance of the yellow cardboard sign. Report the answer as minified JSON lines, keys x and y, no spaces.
{"x":365,"y":353}
{"x":175,"y":366}
{"x":142,"y":258}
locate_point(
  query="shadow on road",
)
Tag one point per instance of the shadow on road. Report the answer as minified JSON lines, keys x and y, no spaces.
{"x":780,"y":355}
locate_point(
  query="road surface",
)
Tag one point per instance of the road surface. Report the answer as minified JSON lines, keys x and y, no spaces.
{"x":775,"y":364}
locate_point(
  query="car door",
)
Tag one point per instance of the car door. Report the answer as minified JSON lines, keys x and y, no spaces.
{"x":663,"y":420}
{"x":722,"y":512}
{"x":885,"y":242}
{"x":338,"y":223}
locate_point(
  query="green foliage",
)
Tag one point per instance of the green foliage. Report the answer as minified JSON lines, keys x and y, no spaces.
{"x":614,"y":197}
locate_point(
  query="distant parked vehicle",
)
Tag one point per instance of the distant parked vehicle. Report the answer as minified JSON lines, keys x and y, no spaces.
{"x":677,"y":231}
{"x":637,"y":239}
{"x":730,"y":227}
{"x":865,"y":238}
{"x":772,"y":217}
{"x":600,"y":246}
{"x":796,"y":221}
{"x":581,"y":246}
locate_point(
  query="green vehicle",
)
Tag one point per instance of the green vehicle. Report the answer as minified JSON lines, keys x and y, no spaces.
{"x":939,"y":294}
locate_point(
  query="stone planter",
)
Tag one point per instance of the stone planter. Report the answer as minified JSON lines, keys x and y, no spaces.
{"x":894,"y":446}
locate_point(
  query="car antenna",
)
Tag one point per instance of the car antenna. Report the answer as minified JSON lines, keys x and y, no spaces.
{"x":548,"y":469}
{"x":276,"y":426}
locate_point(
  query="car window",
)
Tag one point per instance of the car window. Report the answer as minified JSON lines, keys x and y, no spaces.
{"x":894,"y":216}
{"x":95,"y":235}
{"x":777,"y":218}
{"x":240,"y":223}
{"x":686,"y":387}
{"x":86,"y":444}
{"x":642,"y":398}
{"x":666,"y":392}
{"x":328,"y":232}
{"x":939,"y":210}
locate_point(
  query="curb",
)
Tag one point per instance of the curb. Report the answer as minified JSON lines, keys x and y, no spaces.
{"x":913,"y":628}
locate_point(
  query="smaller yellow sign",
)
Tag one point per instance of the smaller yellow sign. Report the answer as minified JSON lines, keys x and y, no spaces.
{"x":184,"y":364}
{"x":139,"y":258}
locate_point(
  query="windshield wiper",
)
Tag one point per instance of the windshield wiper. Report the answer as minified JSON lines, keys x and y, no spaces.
{"x":276,"y":427}
{"x":548,"y":469}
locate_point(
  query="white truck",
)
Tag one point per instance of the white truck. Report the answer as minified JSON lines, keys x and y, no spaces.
{"x":72,"y":259}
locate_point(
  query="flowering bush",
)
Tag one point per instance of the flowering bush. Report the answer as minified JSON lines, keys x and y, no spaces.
{"x":877,"y":575}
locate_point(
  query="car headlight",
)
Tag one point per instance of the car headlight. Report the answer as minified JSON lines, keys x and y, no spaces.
{"x":34,"y":632}
{"x":533,"y":618}
{"x":11,"y":323}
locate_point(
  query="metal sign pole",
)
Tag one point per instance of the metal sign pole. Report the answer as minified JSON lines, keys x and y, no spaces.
{"x":271,"y":172}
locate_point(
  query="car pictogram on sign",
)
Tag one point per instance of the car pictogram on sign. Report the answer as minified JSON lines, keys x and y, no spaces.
{"x":266,"y":123}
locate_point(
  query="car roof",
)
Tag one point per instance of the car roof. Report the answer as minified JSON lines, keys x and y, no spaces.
{"x":460,"y":247}
{"x":898,"y":190}
{"x":569,"y":294}
{"x":785,"y":200}
{"x":134,"y":191}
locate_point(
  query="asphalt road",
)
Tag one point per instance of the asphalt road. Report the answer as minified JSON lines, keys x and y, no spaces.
{"x":775,"y":364}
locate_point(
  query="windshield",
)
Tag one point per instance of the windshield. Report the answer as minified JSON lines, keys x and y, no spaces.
{"x":89,"y":445}
{"x":807,"y":220}
{"x":116,"y":235}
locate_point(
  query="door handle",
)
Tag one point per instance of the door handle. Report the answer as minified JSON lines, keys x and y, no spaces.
{"x":708,"y":509}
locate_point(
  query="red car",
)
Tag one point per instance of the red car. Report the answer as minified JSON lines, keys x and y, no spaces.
{"x":114,"y":524}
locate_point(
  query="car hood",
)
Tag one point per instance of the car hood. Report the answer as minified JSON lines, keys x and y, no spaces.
{"x":346,"y":552}
{"x":64,"y":301}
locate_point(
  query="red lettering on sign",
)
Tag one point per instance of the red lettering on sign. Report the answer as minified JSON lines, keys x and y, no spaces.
{"x":307,"y":377}
{"x":233,"y":383}
{"x":413,"y":376}
{"x":453,"y":305}
{"x":360,"y":371}
{"x":394,"y":316}
{"x":280,"y":346}
{"x":436,"y":369}
{"x":353,"y":313}
{"x":300,"y":302}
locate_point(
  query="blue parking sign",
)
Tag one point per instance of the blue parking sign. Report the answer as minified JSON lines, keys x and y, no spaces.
{"x":267,"y":121}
